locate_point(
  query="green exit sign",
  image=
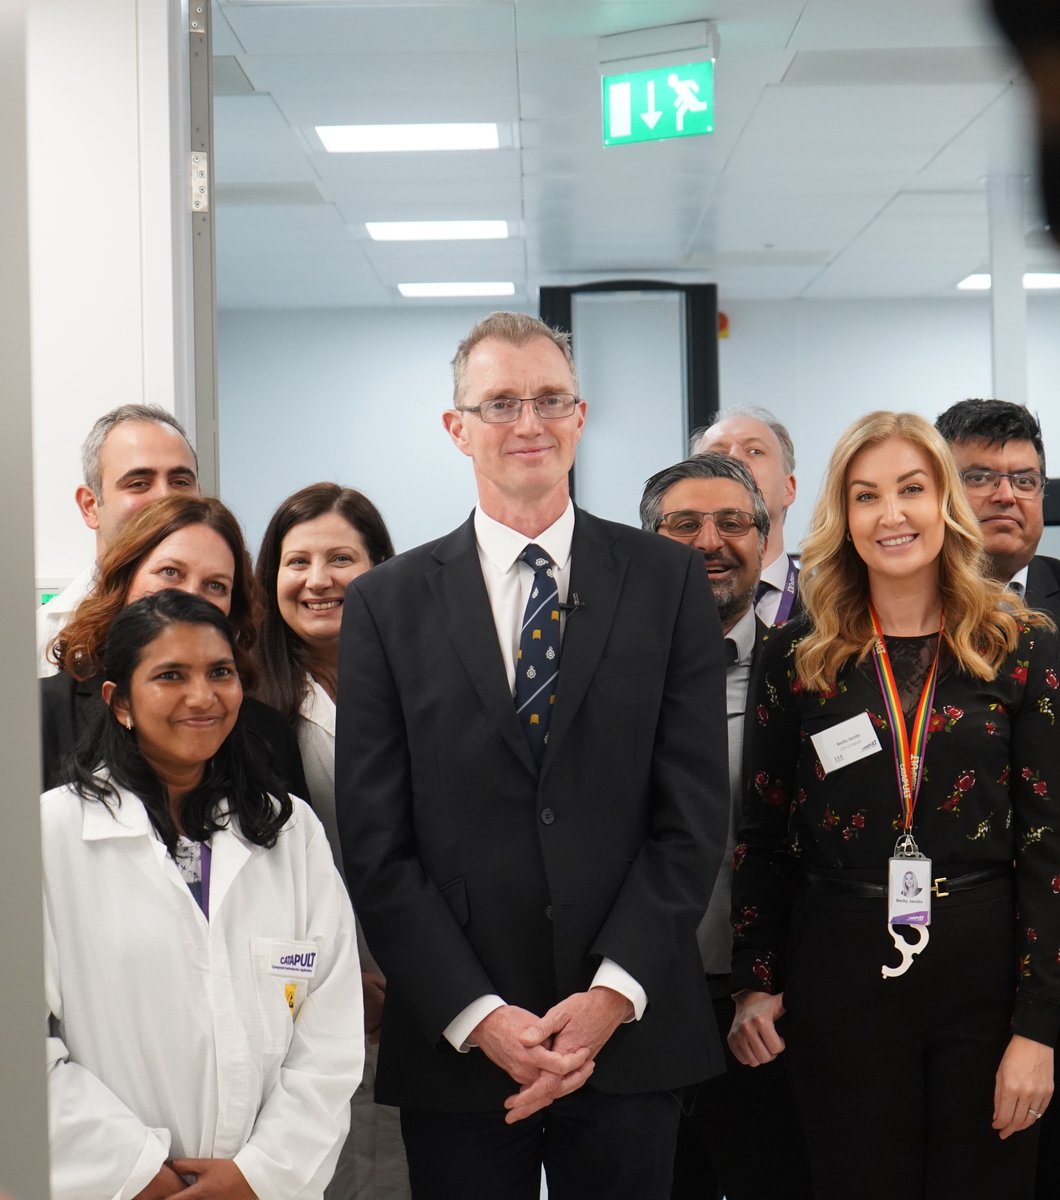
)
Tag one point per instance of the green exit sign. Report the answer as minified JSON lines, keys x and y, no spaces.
{"x":648,"y":106}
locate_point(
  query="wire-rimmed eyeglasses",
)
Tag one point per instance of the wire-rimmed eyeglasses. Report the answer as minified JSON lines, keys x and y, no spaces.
{"x":1023,"y":483}
{"x":729,"y":522}
{"x":550,"y":406}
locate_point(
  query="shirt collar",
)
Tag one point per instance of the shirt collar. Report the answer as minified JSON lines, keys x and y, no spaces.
{"x":742,"y":636}
{"x":503,"y":546}
{"x":1020,"y":578}
{"x":318,"y":707}
{"x":776,"y":573}
{"x":122,"y":819}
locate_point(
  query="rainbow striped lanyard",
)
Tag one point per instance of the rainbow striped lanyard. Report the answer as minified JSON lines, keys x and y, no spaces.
{"x":909,"y":747}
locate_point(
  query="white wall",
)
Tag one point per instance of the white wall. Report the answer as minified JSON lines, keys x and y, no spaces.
{"x":630,"y":351}
{"x":820,"y":364}
{"x":355,"y":395}
{"x":109,"y":238}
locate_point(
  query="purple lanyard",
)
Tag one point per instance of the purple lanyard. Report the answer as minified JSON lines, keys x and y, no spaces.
{"x":206,"y":857}
{"x":787,"y":596}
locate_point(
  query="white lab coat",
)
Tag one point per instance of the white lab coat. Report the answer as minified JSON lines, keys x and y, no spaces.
{"x":172,"y":1036}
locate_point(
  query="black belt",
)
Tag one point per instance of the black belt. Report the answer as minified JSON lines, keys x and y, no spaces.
{"x":943,"y":885}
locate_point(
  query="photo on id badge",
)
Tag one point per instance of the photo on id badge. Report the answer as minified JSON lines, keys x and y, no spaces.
{"x":909,"y":891}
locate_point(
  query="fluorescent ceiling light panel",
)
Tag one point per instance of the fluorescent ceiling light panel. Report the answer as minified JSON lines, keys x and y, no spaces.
{"x":433,"y":291}
{"x":375,"y":139}
{"x":1033,"y":281}
{"x":435,"y":231}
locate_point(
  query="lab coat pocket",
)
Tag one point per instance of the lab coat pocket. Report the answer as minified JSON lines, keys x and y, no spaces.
{"x":283,"y":971}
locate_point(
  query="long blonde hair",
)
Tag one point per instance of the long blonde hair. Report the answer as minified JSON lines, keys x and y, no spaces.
{"x":982,"y":619}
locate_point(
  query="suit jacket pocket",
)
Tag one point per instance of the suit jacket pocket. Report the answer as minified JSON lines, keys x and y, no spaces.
{"x":455,"y":895}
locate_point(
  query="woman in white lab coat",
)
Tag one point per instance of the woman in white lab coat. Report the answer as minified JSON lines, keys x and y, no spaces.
{"x":319,"y":539}
{"x":201,"y":965}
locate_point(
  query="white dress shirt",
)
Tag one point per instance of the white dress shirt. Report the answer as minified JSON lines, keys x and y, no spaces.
{"x":714,"y":934}
{"x":508,"y":581}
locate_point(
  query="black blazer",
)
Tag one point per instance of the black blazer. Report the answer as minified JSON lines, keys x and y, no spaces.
{"x":472,"y":874}
{"x":1043,"y":585}
{"x":68,"y":706}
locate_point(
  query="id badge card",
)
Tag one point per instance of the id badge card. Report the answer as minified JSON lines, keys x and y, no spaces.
{"x":909,"y":890}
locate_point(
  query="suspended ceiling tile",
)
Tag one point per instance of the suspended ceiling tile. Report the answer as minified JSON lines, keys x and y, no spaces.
{"x":842,"y":25}
{"x":253,"y":143}
{"x":320,"y":30}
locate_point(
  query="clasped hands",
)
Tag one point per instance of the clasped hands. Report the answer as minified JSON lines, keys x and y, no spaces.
{"x":552,"y":1055}
{"x":215,"y":1179}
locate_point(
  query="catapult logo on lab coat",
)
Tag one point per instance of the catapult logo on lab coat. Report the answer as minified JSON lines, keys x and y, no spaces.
{"x":293,"y":959}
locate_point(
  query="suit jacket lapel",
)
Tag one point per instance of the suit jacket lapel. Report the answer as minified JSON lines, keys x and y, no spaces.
{"x":460,"y":592}
{"x":597,"y":572}
{"x":1042,"y":587}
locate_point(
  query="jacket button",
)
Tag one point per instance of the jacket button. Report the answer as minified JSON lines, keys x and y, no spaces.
{"x":548,"y":912}
{"x":547,"y":816}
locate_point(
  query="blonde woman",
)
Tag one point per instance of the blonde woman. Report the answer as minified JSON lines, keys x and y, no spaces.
{"x":906,"y":725}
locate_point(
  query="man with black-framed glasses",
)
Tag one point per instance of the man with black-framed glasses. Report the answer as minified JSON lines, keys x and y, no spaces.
{"x":999,"y":452}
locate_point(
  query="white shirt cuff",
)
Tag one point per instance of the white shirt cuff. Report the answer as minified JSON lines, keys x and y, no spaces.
{"x":610,"y":974}
{"x":457,"y":1032}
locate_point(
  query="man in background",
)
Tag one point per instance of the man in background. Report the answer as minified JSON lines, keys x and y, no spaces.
{"x":132,"y":455}
{"x":999,"y":452}
{"x":756,"y":438}
{"x":740,"y":1133}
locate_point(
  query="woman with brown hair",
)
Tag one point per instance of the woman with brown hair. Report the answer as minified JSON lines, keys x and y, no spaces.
{"x":319,"y":539}
{"x":194,"y":544}
{"x":905,"y":726}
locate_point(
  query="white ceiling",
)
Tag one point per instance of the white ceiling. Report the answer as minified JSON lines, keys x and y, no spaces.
{"x":853,"y":144}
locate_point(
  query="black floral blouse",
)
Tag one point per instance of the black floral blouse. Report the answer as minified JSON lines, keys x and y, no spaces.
{"x":990,"y":795}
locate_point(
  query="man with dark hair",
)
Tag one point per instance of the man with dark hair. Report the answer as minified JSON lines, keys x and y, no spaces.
{"x":528,"y":784}
{"x":133,"y":454}
{"x":756,"y":438}
{"x":999,"y":452}
{"x":740,"y":1133}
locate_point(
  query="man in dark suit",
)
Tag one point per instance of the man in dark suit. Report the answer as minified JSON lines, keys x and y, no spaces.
{"x":740,"y":1135}
{"x":999,"y":452}
{"x":530,"y":872}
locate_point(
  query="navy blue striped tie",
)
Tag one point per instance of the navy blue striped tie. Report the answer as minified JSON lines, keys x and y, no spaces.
{"x":537,"y":665}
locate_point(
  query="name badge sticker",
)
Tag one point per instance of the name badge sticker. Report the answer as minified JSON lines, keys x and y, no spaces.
{"x":293,"y":960}
{"x":846,"y":742}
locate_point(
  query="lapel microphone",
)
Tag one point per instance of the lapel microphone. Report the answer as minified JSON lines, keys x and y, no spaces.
{"x":573,"y":604}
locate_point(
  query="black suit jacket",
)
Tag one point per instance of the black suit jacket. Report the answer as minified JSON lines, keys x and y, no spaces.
{"x":474,"y":874}
{"x":1043,"y":585}
{"x":69,"y":706}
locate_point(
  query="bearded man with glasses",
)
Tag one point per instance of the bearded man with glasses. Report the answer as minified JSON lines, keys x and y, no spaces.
{"x":999,"y":452}
{"x":712,"y":503}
